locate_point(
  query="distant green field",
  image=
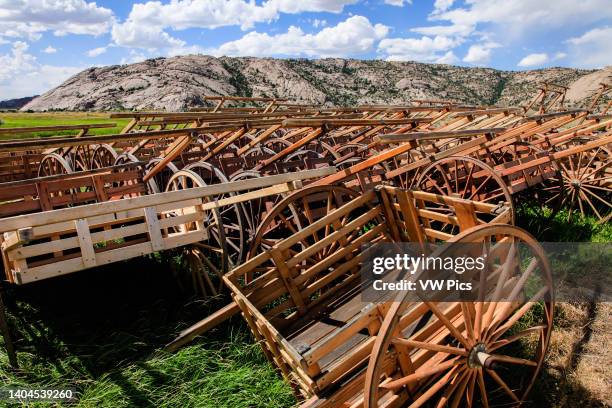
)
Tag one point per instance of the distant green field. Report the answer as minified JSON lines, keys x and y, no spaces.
{"x":23,"y":119}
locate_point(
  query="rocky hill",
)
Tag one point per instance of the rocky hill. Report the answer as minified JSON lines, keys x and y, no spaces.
{"x":16,"y":103}
{"x":179,"y":83}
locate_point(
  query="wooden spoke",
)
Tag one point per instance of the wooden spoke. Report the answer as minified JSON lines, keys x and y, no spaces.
{"x":419,"y":375}
{"x":512,"y":360}
{"x":502,"y":384}
{"x":504,"y":342}
{"x":482,"y":388}
{"x":431,"y":346}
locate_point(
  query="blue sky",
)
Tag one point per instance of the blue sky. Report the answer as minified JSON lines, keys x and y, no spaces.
{"x":43,"y":42}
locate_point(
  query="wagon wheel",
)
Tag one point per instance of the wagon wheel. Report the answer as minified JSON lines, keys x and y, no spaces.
{"x":468,"y":178}
{"x":157,"y":182}
{"x":515,"y":151}
{"x":82,"y":157}
{"x":408,"y":178}
{"x":216,"y":257}
{"x":297,"y":211}
{"x":194,"y":261}
{"x":53,"y":164}
{"x":328,"y":150}
{"x":257,"y":151}
{"x":359,"y":151}
{"x":126,"y":158}
{"x":586,"y":183}
{"x":231,"y":217}
{"x":465,"y":350}
{"x":206,"y":142}
{"x":104,"y":155}
{"x":254,"y":211}
{"x":276,"y":144}
{"x":303,"y":155}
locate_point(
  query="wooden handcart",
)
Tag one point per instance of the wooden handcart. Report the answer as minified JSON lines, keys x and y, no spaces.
{"x":301,"y":299}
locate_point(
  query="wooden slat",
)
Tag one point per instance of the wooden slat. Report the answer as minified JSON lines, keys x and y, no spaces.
{"x":153,"y":228}
{"x":92,"y":210}
{"x":87,"y":250}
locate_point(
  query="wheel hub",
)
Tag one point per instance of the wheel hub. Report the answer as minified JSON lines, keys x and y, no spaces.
{"x":575,"y":183}
{"x":474,"y":360}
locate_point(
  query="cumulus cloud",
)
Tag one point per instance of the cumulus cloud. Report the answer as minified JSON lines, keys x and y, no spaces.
{"x":21,"y":74}
{"x":146,"y":24}
{"x":134,"y":57}
{"x":448,"y":30}
{"x":442,"y":5}
{"x":480,"y":54}
{"x":49,"y":50}
{"x":539,"y":59}
{"x":293,"y":6}
{"x":30,"y":18}
{"x":146,"y":36}
{"x":426,"y":49}
{"x":96,"y":51}
{"x":532,"y":60}
{"x":354,"y":36}
{"x":518,"y":16}
{"x":495,"y":21}
{"x":593,"y":49}
{"x":398,"y":3}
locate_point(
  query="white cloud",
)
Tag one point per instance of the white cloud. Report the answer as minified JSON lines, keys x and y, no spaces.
{"x":532,"y":60}
{"x":593,"y":49}
{"x":448,"y":58}
{"x":398,"y":3}
{"x":21,"y":75}
{"x":442,"y":5}
{"x":96,"y":51}
{"x":134,"y":57}
{"x":539,"y":59}
{"x":49,"y":50}
{"x":450,"y":30}
{"x":426,"y":49}
{"x":354,"y":36}
{"x":480,"y":54}
{"x":518,"y":16}
{"x":146,"y":24}
{"x":30,"y":18}
{"x":294,"y":7}
{"x":146,"y":36}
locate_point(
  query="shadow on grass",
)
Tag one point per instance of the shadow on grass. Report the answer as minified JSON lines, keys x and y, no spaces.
{"x":77,"y":329}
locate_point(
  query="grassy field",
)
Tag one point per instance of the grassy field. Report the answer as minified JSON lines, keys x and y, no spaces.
{"x":24,"y":119}
{"x":100,"y":332}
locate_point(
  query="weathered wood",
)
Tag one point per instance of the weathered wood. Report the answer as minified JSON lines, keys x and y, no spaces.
{"x":394,"y":138}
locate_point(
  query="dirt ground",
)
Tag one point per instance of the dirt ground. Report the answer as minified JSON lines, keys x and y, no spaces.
{"x":578,"y":370}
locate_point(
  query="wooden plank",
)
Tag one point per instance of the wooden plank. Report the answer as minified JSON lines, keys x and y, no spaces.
{"x":153,"y":228}
{"x":351,"y":122}
{"x":88,"y":254}
{"x":415,"y":136}
{"x":92,"y":210}
{"x":201,"y":327}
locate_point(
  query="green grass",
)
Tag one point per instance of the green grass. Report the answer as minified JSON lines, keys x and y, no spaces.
{"x":101,"y":332}
{"x":24,"y":119}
